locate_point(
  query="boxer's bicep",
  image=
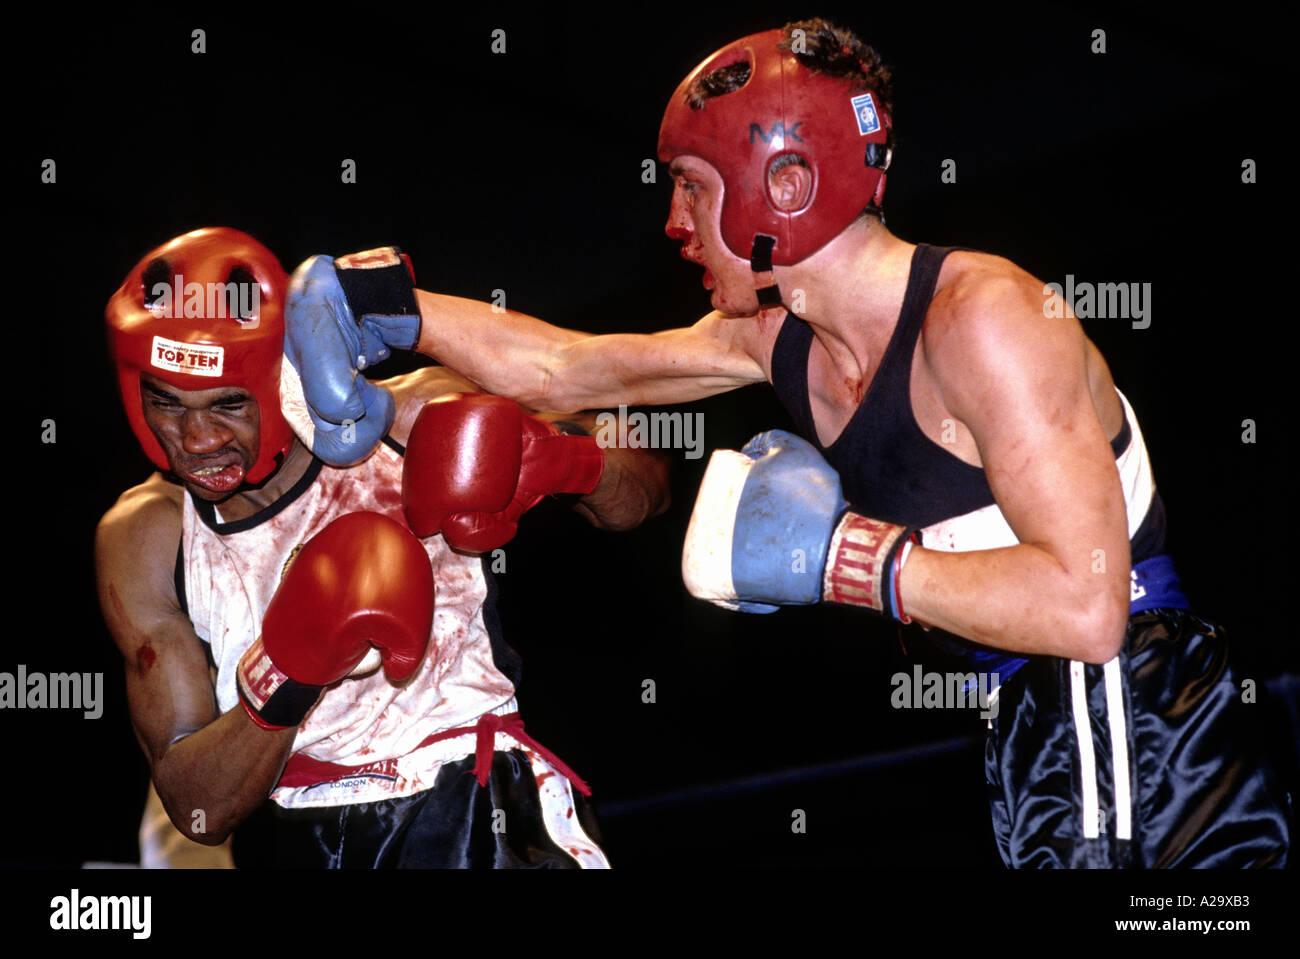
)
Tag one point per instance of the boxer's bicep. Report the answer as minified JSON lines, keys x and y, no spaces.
{"x":168,"y":683}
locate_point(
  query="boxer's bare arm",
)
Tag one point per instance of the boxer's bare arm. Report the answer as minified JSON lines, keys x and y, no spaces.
{"x":547,"y":367}
{"x":633,"y":487}
{"x":224,"y":765}
{"x":1019,"y":383}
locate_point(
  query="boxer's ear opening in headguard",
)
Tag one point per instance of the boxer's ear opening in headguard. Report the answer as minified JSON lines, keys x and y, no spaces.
{"x":205,"y":310}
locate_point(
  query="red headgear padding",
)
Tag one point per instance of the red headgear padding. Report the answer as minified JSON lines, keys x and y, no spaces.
{"x":192,"y":339}
{"x":784,"y":108}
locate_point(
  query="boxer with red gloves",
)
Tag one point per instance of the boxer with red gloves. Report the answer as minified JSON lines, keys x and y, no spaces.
{"x":254,"y":589}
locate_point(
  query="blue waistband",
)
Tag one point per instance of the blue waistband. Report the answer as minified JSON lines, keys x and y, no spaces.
{"x":1155,"y":585}
{"x":992,"y":661}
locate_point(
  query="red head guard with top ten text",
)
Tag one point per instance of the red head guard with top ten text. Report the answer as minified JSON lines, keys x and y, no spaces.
{"x":192,"y":338}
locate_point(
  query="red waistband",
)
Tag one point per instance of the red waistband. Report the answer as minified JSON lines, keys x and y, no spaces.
{"x":302,"y":770}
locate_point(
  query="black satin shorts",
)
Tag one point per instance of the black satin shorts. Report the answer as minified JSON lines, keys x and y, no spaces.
{"x":1157,"y":759}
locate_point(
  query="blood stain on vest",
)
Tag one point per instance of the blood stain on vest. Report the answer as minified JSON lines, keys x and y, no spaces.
{"x":387,"y":500}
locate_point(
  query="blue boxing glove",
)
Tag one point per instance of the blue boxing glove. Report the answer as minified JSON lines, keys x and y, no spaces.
{"x":771,"y":528}
{"x":342,"y":316}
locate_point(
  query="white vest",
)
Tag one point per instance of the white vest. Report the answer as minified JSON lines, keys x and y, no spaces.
{"x":230,"y":577}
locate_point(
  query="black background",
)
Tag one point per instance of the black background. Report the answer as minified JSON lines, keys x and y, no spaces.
{"x":522,"y":172}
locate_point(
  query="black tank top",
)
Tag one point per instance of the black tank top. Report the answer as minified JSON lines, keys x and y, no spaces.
{"x":889,"y":468}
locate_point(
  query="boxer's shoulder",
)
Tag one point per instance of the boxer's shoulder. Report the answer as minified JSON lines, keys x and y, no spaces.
{"x":143,"y":526}
{"x":984,"y":308}
{"x":136,"y":544}
{"x":973,"y":284}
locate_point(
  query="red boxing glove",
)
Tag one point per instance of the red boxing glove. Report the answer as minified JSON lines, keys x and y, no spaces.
{"x":363,"y":581}
{"x":475,"y":463}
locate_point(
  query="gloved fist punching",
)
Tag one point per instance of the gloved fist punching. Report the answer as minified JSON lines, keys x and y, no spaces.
{"x":475,"y":463}
{"x":771,"y":528}
{"x":362,"y":583}
{"x":342,"y":316}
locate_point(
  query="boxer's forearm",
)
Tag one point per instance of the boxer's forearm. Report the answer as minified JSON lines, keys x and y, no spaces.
{"x":226,"y":770}
{"x":547,"y":367}
{"x":503,"y":352}
{"x":1019,"y":599}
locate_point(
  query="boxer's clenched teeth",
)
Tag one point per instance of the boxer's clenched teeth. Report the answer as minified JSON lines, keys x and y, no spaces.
{"x":218,"y":479}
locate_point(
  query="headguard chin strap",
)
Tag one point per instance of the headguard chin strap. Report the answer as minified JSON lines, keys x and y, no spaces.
{"x":760,"y":261}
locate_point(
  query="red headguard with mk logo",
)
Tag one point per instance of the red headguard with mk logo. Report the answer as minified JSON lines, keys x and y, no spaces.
{"x":783,"y":108}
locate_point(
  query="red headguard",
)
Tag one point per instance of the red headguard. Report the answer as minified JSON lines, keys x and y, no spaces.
{"x":784,"y":108}
{"x":211,"y":329}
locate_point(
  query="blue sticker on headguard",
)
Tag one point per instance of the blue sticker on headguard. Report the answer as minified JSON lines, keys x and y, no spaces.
{"x":864,"y":109}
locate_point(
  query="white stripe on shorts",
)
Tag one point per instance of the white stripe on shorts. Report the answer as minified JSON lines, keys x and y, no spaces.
{"x":1087,"y":758}
{"x":1119,"y":750}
